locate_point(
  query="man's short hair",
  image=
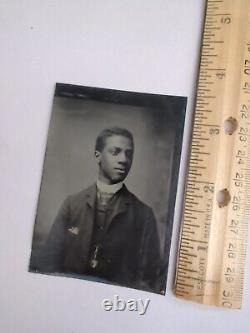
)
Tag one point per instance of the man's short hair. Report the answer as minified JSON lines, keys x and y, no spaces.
{"x":100,"y":141}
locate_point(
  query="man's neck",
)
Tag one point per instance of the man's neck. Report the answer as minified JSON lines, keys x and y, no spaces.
{"x":113,"y":188}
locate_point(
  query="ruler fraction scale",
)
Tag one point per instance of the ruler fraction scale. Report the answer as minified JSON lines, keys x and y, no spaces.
{"x":212,"y":248}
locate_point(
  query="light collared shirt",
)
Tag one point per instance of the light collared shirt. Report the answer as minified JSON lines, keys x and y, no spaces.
{"x":106,"y":192}
{"x":105,"y":188}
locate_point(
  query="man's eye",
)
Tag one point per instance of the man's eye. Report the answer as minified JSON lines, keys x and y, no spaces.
{"x":115,"y":152}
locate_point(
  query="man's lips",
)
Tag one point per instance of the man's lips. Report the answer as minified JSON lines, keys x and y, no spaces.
{"x":122,"y":170}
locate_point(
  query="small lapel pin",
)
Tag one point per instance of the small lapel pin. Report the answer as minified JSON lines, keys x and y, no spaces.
{"x":74,"y":230}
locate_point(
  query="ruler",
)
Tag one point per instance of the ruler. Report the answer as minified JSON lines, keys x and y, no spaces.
{"x":212,"y":248}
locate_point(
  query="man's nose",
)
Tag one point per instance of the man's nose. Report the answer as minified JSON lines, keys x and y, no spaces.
{"x":123,"y":157}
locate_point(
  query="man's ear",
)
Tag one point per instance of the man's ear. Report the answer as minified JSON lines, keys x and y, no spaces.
{"x":97,"y":156}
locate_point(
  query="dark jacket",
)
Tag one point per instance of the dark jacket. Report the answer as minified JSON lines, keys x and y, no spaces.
{"x":130,"y":250}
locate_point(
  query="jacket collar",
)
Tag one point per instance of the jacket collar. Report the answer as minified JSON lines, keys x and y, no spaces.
{"x":91,"y":195}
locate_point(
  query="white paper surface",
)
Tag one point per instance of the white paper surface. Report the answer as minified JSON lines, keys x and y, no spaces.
{"x":137,"y":45}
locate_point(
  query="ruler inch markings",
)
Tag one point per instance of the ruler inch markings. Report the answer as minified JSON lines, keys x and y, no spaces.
{"x":213,"y":240}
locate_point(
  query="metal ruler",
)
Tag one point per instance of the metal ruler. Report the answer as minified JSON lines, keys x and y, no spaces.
{"x":212,"y":249}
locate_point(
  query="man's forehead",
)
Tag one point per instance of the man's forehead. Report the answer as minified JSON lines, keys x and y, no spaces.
{"x":119,"y":140}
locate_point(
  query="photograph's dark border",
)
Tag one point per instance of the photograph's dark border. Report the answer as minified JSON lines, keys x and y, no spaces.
{"x":117,"y":96}
{"x":123,"y":97}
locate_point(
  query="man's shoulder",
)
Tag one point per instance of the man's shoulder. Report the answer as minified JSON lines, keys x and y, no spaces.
{"x":78,"y":198}
{"x":138,"y":202}
{"x":90,"y":190}
{"x":144,"y":214}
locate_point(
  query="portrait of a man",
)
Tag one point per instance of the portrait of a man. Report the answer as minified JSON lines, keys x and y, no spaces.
{"x":104,"y":231}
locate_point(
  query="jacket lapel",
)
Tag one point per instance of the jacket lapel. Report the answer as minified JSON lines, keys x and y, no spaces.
{"x":88,"y":210}
{"x":87,"y":216}
{"x":91,"y":196}
{"x":81,"y":231}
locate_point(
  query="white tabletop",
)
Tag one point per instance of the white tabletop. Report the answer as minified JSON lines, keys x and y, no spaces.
{"x":137,"y":45}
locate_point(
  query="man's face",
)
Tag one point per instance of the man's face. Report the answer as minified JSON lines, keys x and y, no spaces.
{"x":115,"y":159}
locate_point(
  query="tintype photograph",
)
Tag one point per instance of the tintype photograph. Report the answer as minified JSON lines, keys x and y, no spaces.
{"x":106,"y":203}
